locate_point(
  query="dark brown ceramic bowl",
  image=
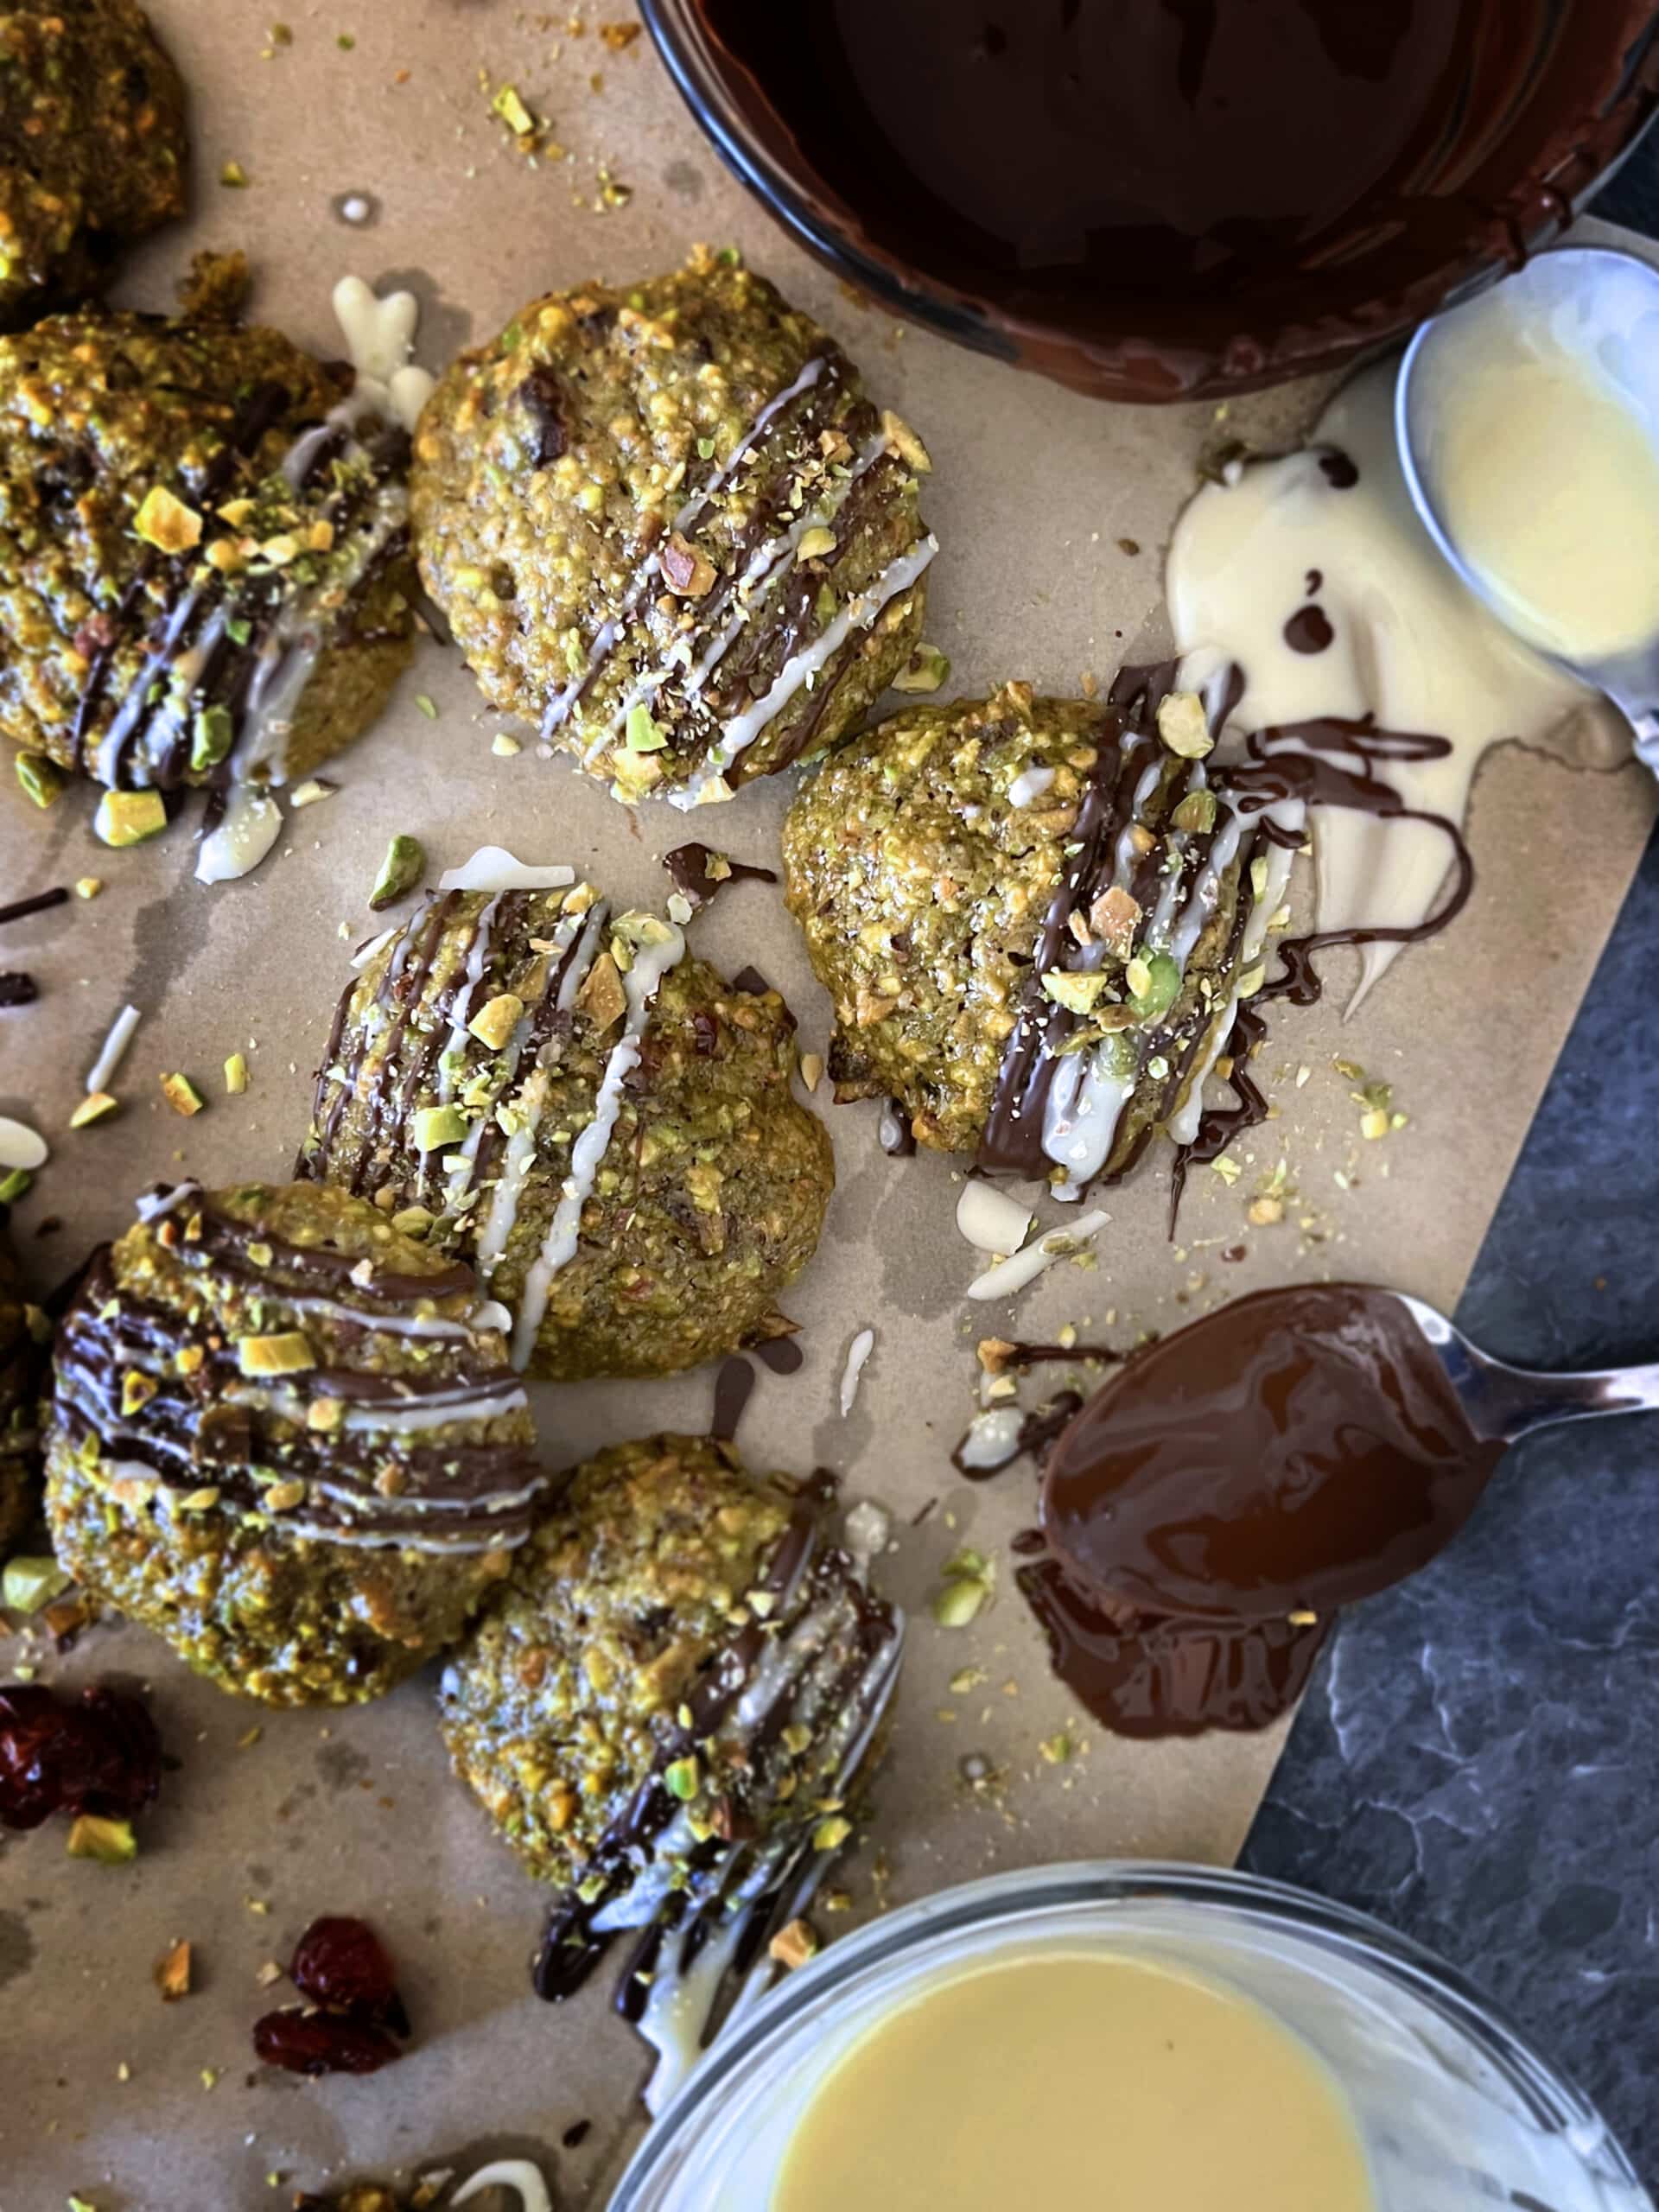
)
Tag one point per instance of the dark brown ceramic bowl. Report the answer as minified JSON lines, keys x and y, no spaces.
{"x":1515,"y":109}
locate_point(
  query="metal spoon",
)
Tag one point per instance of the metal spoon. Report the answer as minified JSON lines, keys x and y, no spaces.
{"x":1609,"y":302}
{"x":1505,"y":1402}
{"x":1294,"y":1452}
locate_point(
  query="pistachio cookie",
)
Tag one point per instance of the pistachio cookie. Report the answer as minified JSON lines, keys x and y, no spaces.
{"x":286,"y":1438}
{"x":203,"y":551}
{"x":93,"y":151}
{"x":589,"y":1114}
{"x":22,"y":1358}
{"x":680,"y":1676}
{"x":667,"y":525}
{"x":1036,"y":918}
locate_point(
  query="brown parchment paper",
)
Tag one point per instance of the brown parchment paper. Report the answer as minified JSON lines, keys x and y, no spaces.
{"x":104,"y":2090}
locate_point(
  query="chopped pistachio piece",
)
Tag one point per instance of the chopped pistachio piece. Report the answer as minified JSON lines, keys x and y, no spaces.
{"x":15,"y":1186}
{"x":1184,"y":726}
{"x":288,"y":1353}
{"x":26,"y":1585}
{"x":166,"y":522}
{"x":215,"y":733}
{"x":1075,"y":989}
{"x":41,"y":779}
{"x":1196,"y":813}
{"x":815,"y":543}
{"x":830,"y":1834}
{"x":957,"y":1602}
{"x":1154,"y":984}
{"x":437,"y":1126}
{"x":130,"y":818}
{"x":924,"y":670}
{"x":904,"y":442}
{"x":88,"y":886}
{"x":428,"y":705}
{"x":182,"y":1095}
{"x":681,"y":1778}
{"x":112,"y":1843}
{"x":492,"y":1025}
{"x":642,"y":734}
{"x":400,"y":871}
{"x":236,"y":1075}
{"x":512,"y":112}
{"x":98,"y":1108}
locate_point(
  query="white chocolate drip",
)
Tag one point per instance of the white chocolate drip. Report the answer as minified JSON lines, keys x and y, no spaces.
{"x":1410,"y":646}
{"x":650,"y":964}
{"x":860,"y":612}
{"x":252,"y":822}
{"x":605,"y":638}
{"x":531,"y":1102}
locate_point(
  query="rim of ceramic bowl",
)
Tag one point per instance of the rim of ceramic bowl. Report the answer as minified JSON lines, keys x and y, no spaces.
{"x":1552,"y":2101}
{"x":1292,"y":348}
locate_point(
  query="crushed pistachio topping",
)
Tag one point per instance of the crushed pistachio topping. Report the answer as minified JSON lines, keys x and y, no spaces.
{"x":1184,"y":726}
{"x":166,"y":522}
{"x":401,"y":870}
{"x":26,"y":1585}
{"x":111,"y":1843}
{"x":43,"y":780}
{"x":437,"y":1126}
{"x":924,"y":670}
{"x":493,"y":1024}
{"x":236,"y":1075}
{"x":130,"y":818}
{"x":288,"y":1352}
{"x":98,"y":1108}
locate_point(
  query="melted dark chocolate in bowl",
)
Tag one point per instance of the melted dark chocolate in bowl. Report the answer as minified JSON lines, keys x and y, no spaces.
{"x":1287,"y":1454}
{"x":1149,"y":197}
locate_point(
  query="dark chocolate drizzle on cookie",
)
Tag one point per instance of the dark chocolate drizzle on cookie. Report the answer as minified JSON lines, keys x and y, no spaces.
{"x":225,"y":1440}
{"x":205,"y":641}
{"x":1328,"y":762}
{"x":1127,"y":746}
{"x":820,"y":1656}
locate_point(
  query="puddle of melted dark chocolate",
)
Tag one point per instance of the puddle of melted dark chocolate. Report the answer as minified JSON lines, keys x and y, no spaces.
{"x":1292,"y":1452}
{"x":1141,"y":1675}
{"x":1216,"y":1501}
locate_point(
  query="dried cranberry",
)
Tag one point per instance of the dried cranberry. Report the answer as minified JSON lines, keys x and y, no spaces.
{"x":322,"y":2043}
{"x":343,"y":1963}
{"x":124,"y":1773}
{"x":102,"y":1755}
{"x":31,"y":1724}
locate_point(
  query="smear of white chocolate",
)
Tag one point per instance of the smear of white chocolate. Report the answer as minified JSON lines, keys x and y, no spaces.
{"x":379,"y":336}
{"x":252,"y":824}
{"x":1411,"y":646}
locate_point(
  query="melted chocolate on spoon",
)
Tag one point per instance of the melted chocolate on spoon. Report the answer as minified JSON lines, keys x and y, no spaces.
{"x":1215,"y":1502}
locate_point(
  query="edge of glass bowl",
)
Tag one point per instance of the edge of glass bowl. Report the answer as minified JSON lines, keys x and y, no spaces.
{"x":1007,"y":1898}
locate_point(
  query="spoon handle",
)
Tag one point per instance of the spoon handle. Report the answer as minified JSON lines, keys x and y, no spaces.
{"x":1522,"y":1401}
{"x":1644,"y":727}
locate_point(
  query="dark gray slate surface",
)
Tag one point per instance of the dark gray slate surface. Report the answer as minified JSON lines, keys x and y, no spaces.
{"x":1477,"y":1762}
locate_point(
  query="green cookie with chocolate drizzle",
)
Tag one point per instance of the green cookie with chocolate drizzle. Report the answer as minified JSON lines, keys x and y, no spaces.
{"x":664,"y":1711}
{"x":1036,"y":916}
{"x":92,"y":148}
{"x":667,"y":525}
{"x":587,"y":1114}
{"x":22,"y":1359}
{"x":202,"y":553}
{"x":286,"y":1438}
